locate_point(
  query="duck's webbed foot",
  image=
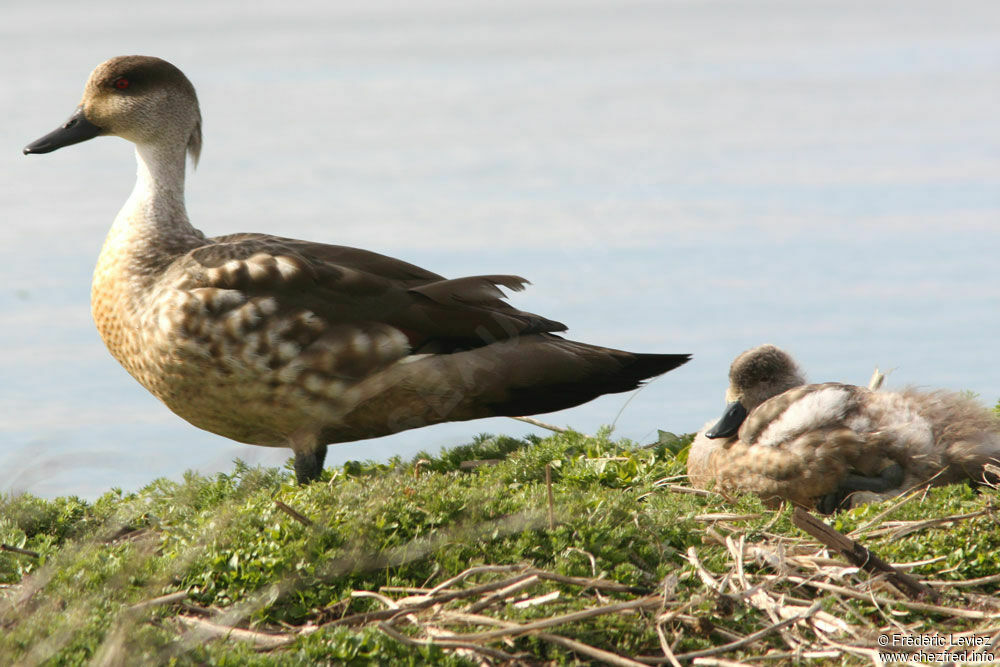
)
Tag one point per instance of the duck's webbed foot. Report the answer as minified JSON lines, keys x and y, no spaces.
{"x":309,"y":465}
{"x":890,"y":478}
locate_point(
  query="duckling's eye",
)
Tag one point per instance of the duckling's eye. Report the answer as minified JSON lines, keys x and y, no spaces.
{"x":121,"y":83}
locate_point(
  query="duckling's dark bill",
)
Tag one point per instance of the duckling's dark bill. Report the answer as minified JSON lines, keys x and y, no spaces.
{"x":730,"y":423}
{"x":76,"y":129}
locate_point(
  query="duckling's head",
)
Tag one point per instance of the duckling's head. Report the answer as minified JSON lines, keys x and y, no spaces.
{"x":755,"y":376}
{"x":140,"y":98}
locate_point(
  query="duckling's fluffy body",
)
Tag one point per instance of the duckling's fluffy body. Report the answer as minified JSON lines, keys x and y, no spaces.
{"x":803,"y":443}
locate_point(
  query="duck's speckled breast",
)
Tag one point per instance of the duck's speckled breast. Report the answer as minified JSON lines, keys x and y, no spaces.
{"x":113,"y":305}
{"x":193,"y":348}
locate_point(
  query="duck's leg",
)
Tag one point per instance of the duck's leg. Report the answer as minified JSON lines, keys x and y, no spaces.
{"x":309,"y":457}
{"x":889,"y":478}
{"x":309,"y":466}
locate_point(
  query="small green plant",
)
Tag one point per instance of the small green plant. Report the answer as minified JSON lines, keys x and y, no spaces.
{"x":312,"y":569}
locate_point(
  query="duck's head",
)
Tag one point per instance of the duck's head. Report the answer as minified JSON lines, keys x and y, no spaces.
{"x":140,"y":98}
{"x":755,"y":376}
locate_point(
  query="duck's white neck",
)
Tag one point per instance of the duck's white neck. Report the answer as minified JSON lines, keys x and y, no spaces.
{"x":152,"y":228}
{"x":154,"y":213}
{"x":156,"y":205}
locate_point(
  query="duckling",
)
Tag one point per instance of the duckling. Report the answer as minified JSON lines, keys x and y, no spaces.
{"x":836,"y":445}
{"x":278,"y":342}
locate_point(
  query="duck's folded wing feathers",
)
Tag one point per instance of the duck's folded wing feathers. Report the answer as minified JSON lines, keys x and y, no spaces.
{"x":346,"y":256}
{"x":347,"y":287}
{"x":800,"y":410}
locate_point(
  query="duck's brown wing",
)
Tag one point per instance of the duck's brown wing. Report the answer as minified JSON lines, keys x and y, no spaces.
{"x":345,"y":286}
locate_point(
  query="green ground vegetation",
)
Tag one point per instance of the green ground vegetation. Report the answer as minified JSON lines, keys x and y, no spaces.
{"x":700,"y":571}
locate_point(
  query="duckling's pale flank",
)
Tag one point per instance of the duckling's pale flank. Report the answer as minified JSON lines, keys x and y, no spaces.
{"x":832,"y":445}
{"x":283,"y":343}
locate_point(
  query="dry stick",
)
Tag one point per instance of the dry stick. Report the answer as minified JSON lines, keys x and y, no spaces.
{"x":648,"y":601}
{"x":772,"y":522}
{"x":736,"y":551}
{"x":383,"y":614}
{"x":796,"y":655}
{"x":718,"y":662}
{"x":990,"y":643}
{"x":725,"y":516}
{"x":468,"y":572}
{"x":714,"y":535}
{"x":606,"y":657}
{"x":388,"y":629}
{"x":909,"y":565}
{"x":441,"y":597}
{"x":668,"y":652}
{"x":169,"y":598}
{"x":584,"y":552}
{"x":694,"y":621}
{"x":535,"y":601}
{"x":857,"y":532}
{"x":536,"y":422}
{"x":525,"y":582}
{"x":871,"y":654}
{"x":749,"y":639}
{"x":204,"y":611}
{"x":409,"y":590}
{"x":860,"y":555}
{"x":19,"y":550}
{"x":548,"y":486}
{"x":965,"y":582}
{"x":384,"y":599}
{"x":706,"y":577}
{"x":906,"y":527}
{"x":756,"y":595}
{"x":216,"y":631}
{"x":878,"y":377}
{"x":305,"y":521}
{"x":601,"y":584}
{"x":919,"y":606}
{"x":661,"y":620}
{"x":677,"y":488}
{"x":667,"y":480}
{"x":676,"y":612}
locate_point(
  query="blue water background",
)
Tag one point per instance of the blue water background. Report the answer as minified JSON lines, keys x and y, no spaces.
{"x":671,"y":176}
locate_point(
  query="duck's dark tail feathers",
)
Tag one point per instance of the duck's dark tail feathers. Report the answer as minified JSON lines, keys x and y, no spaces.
{"x":588,"y":371}
{"x":526,"y":375}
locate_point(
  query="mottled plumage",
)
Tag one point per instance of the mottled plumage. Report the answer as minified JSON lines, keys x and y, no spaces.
{"x":822,"y":443}
{"x":279,"y":342}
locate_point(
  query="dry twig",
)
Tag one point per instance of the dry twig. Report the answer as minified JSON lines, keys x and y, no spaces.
{"x":859,"y":555}
{"x":19,"y":550}
{"x":214,"y":631}
{"x":304,"y":520}
{"x":539,"y":423}
{"x":170,"y":598}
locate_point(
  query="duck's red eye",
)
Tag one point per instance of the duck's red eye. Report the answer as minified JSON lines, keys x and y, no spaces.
{"x":121,"y":83}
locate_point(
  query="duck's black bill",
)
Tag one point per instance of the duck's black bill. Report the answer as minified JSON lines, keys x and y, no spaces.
{"x":76,"y":129}
{"x":730,"y":423}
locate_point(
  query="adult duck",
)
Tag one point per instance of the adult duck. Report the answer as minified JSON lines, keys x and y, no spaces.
{"x":831,"y":445}
{"x":284,"y":343}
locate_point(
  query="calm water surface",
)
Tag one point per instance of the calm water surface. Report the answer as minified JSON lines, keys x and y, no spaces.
{"x":672,"y":176}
